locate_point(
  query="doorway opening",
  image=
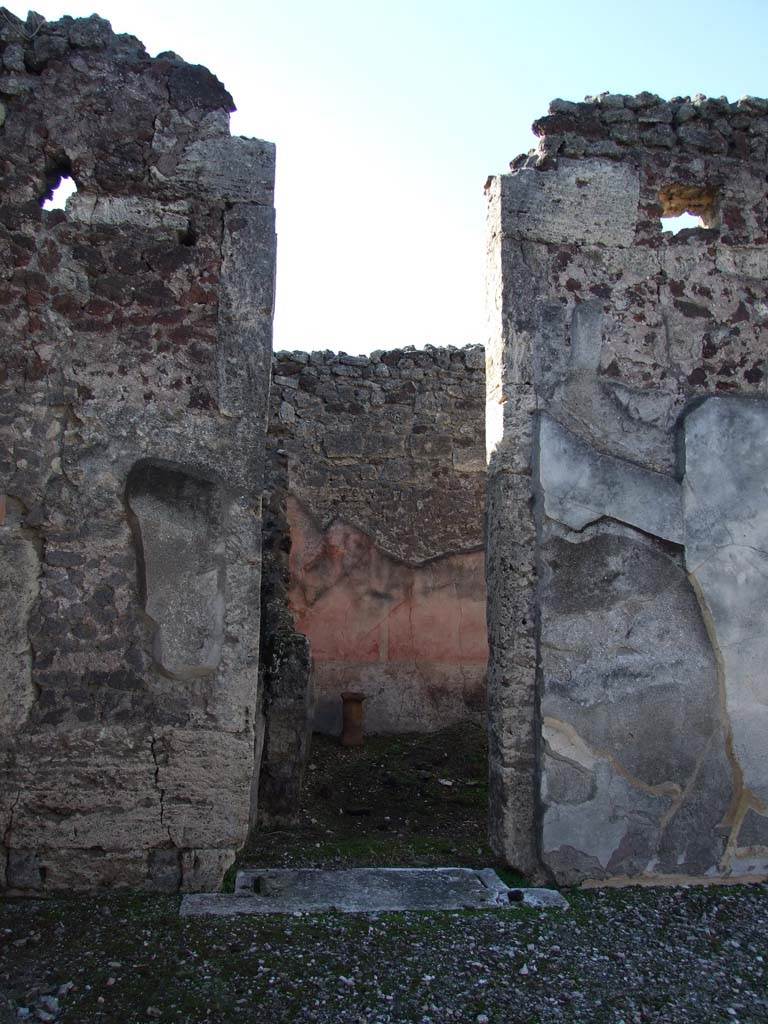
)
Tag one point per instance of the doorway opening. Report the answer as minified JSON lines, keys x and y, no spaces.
{"x":379,"y":465}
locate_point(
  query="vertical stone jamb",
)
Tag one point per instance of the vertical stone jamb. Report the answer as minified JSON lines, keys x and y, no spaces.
{"x":510,"y":561}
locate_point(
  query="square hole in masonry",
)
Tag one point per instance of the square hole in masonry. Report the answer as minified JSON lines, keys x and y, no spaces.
{"x":57,"y":198}
{"x":687,"y":206}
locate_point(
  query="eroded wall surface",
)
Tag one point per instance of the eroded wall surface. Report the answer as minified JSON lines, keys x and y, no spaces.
{"x":628,"y":424}
{"x":285,"y":664}
{"x":385,"y":478}
{"x":135,"y":348}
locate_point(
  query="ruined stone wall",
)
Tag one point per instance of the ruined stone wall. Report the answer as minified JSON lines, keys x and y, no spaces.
{"x":135,"y":348}
{"x":628,"y":430}
{"x":385,"y":465}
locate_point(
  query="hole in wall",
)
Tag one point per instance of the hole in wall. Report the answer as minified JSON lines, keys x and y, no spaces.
{"x":57,"y":195}
{"x":687,"y":206}
{"x":681,"y":222}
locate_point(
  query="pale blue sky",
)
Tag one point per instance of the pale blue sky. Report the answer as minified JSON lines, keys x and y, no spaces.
{"x":389,"y":116}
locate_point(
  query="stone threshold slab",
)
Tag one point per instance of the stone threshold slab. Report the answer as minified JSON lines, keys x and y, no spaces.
{"x":366,"y":891}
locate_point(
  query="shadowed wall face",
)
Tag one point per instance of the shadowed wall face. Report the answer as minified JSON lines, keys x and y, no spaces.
{"x":180,"y":554}
{"x":135,"y":346}
{"x":385,"y":487}
{"x":627,"y":393}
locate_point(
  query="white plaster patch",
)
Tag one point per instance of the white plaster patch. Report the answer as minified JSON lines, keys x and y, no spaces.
{"x":725,"y":496}
{"x":582,"y":485}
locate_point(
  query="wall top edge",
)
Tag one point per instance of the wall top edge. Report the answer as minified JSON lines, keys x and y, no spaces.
{"x":621,"y":127}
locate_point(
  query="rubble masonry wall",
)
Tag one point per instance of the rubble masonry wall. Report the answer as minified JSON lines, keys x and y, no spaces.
{"x":135,"y":345}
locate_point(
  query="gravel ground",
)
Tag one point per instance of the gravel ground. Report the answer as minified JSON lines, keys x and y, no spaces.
{"x":633,"y":955}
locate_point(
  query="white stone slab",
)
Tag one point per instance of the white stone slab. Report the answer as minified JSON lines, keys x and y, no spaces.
{"x":365,"y":890}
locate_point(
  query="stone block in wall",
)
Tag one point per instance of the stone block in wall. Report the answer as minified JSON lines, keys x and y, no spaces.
{"x":578,"y":202}
{"x":237,"y":170}
{"x":468,"y":460}
{"x":627,"y":419}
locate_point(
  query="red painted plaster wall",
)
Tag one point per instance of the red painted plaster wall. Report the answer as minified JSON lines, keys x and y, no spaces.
{"x":412,"y":638}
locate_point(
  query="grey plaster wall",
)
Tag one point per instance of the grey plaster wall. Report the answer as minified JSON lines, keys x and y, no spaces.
{"x":135,"y":346}
{"x":627,"y":426}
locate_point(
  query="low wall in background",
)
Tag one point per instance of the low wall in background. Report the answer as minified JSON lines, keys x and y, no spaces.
{"x":384,"y":479}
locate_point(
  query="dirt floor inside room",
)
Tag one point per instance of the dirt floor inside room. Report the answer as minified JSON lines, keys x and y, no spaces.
{"x":406,"y":800}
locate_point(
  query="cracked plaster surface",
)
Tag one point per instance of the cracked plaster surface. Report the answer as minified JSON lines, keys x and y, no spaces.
{"x":604,"y":330}
{"x":629,"y":719}
{"x":581,"y":485}
{"x":726,"y":520}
